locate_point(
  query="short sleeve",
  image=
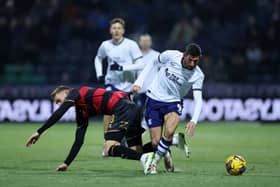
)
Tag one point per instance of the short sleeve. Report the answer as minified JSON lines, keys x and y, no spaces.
{"x":198,"y":84}
{"x":163,"y":57}
{"x":101,"y":51}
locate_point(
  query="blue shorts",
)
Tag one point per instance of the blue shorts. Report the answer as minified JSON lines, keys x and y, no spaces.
{"x":156,"y":110}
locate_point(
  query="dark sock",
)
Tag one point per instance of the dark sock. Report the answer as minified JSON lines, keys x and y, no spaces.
{"x":148,"y":147}
{"x":124,"y":152}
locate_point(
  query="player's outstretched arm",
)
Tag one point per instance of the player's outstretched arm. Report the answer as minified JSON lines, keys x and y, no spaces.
{"x":138,"y":84}
{"x":56,"y":116}
{"x":138,"y":65}
{"x":50,"y":122}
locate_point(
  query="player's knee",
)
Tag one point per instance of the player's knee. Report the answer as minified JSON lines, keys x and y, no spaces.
{"x":108,"y":145}
{"x":118,"y":151}
{"x":172,"y":118}
{"x":169,"y":132}
{"x":106,"y":149}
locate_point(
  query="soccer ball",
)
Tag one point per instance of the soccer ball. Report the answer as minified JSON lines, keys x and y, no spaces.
{"x":236,"y":165}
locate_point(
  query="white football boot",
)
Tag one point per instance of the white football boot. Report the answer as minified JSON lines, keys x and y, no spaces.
{"x":181,"y":143}
{"x":146,"y":160}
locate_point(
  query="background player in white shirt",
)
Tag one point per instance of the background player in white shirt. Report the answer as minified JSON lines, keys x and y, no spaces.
{"x":120,"y":52}
{"x":149,"y":55}
{"x":177,"y":75}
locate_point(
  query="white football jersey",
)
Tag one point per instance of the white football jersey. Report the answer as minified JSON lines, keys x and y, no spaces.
{"x":173,"y":81}
{"x":149,"y":57}
{"x":126,"y":52}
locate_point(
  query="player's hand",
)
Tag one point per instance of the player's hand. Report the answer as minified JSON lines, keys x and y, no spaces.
{"x":190,"y":128}
{"x":62,"y":167}
{"x":136,"y":89}
{"x":116,"y":67}
{"x":32,"y":139}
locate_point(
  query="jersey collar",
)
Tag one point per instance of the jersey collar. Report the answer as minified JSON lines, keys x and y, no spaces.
{"x":119,"y":42}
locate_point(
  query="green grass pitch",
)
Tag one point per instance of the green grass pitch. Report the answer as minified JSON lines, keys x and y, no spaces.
{"x":212,"y":143}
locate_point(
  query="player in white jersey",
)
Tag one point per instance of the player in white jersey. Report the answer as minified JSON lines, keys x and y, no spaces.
{"x":149,"y":55}
{"x":120,"y":52}
{"x":177,"y":75}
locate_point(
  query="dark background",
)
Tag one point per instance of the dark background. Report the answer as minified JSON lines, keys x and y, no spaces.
{"x":55,"y":41}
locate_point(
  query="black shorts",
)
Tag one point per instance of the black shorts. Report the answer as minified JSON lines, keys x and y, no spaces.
{"x":125,"y":116}
{"x":140,"y":100}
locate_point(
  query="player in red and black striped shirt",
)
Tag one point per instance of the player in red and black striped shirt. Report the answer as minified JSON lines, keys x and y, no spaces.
{"x":97,"y":101}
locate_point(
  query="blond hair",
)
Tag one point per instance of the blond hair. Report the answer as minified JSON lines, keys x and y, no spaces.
{"x":58,"y":90}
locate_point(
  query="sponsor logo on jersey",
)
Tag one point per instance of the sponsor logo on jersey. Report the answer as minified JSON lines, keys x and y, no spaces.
{"x":172,"y":77}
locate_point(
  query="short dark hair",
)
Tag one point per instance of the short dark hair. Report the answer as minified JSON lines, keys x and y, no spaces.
{"x":58,"y":90}
{"x":145,"y":34}
{"x":193,"y":49}
{"x":117,"y":20}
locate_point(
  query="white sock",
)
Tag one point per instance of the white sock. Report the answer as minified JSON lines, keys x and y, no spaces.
{"x":143,"y":158}
{"x":156,"y":159}
{"x":175,"y":140}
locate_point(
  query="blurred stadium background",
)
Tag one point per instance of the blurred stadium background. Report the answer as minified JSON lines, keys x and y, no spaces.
{"x":53,"y":42}
{"x":45,"y":43}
